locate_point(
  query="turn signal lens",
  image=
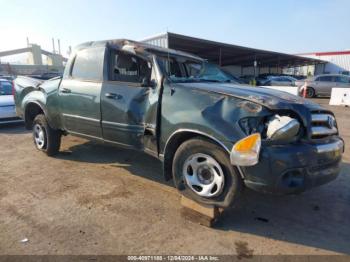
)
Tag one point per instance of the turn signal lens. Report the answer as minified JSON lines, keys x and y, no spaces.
{"x":248,"y":143}
{"x":246,"y":151}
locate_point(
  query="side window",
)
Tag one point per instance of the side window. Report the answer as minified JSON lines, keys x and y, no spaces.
{"x":172,"y":67}
{"x":283,"y":79}
{"x":88,"y":64}
{"x":325,"y":79}
{"x":193,"y":69}
{"x":5,"y":88}
{"x":342,"y":79}
{"x":129,"y":68}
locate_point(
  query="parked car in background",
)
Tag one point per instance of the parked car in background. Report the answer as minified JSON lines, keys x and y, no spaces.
{"x":322,"y":85}
{"x":7,"y":103}
{"x":279,"y":81}
{"x":299,"y":77}
{"x":247,"y":79}
{"x":8,"y":77}
{"x":47,"y":76}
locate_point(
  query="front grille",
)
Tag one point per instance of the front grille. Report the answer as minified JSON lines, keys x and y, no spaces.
{"x":323,"y":125}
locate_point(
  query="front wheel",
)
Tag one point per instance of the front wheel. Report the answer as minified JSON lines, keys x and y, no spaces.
{"x":45,"y":138}
{"x":202,"y":171}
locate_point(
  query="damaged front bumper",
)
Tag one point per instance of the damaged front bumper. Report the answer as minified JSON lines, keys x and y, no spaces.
{"x":293,"y":168}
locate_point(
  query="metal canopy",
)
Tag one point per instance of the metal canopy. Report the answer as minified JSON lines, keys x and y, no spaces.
{"x":227,"y":54}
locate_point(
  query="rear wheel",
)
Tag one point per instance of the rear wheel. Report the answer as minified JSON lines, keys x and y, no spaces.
{"x":310,"y":92}
{"x":202,"y":171}
{"x":45,"y":138}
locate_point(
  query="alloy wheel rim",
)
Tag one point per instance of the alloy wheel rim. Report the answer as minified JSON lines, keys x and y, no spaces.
{"x":39,"y":136}
{"x":204,"y":175}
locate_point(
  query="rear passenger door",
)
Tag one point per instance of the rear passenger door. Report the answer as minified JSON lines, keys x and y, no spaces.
{"x":324,"y":84}
{"x":79,"y":93}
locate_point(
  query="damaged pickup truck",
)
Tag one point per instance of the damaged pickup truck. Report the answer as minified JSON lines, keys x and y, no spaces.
{"x":212,"y":136}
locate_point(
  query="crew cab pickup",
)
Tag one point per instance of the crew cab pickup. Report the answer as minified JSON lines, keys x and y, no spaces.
{"x":212,"y":136}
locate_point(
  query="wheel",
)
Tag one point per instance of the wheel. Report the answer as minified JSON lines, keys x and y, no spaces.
{"x":45,"y":138}
{"x":310,"y":92}
{"x":202,"y":171}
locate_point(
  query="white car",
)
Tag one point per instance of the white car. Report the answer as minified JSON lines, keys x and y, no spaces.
{"x":7,"y":103}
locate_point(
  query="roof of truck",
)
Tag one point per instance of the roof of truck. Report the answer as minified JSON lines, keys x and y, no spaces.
{"x":139,"y":47}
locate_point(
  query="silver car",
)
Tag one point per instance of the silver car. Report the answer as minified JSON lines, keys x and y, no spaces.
{"x":322,"y":85}
{"x":280,"y":81}
{"x":7,"y":103}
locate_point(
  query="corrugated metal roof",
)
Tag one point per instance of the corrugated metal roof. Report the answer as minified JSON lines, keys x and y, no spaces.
{"x":228,"y":54}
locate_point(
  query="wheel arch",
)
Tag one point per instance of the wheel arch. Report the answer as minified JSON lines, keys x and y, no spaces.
{"x":176,"y":139}
{"x":313,"y":88}
{"x":31,"y":110}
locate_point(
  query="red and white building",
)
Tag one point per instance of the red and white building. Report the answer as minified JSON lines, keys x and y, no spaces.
{"x":335,"y":63}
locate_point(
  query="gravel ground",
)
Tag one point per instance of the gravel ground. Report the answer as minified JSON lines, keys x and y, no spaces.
{"x":97,"y":199}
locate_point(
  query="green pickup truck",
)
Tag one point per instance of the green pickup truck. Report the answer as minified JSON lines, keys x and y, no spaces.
{"x":212,"y":135}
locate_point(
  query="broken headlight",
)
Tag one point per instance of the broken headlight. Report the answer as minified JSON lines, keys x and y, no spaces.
{"x":251,"y":125}
{"x":275,"y":128}
{"x":282,"y":128}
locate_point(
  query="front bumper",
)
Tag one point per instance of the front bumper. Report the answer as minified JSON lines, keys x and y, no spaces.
{"x":293,"y":168}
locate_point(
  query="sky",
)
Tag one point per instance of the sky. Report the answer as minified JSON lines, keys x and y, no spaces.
{"x":290,"y":26}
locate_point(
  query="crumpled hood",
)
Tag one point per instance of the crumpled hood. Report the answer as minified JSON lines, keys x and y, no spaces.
{"x":272,"y":99}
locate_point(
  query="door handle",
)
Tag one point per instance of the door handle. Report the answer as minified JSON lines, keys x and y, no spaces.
{"x":66,"y":90}
{"x":113,"y":96}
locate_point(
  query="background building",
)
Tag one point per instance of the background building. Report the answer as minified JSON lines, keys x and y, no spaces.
{"x":336,"y":62}
{"x":238,"y":60}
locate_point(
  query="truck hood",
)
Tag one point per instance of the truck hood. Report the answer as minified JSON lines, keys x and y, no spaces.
{"x":270,"y":98}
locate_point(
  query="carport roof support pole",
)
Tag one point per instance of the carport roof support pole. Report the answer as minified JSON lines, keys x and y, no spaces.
{"x":255,"y":65}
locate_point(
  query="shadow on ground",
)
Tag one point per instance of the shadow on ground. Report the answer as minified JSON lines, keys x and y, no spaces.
{"x":13,"y":129}
{"x":137,"y":163}
{"x":318,"y":218}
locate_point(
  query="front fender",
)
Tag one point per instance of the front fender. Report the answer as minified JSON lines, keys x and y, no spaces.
{"x":215,"y":115}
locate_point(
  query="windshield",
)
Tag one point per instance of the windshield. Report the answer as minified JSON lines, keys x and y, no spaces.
{"x":5,"y":88}
{"x":180,"y":69}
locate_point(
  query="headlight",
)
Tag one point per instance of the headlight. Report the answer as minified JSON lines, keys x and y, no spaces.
{"x":276,"y":127}
{"x":251,"y":125}
{"x":282,"y":128}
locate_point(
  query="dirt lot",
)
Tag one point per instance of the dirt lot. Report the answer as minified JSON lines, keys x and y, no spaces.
{"x":96,"y":199}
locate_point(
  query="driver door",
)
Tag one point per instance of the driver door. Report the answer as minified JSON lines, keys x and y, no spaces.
{"x":127,"y":98}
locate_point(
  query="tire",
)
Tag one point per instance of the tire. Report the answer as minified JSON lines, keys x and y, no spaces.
{"x":45,"y":138}
{"x":223,"y":194}
{"x":310,"y":92}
